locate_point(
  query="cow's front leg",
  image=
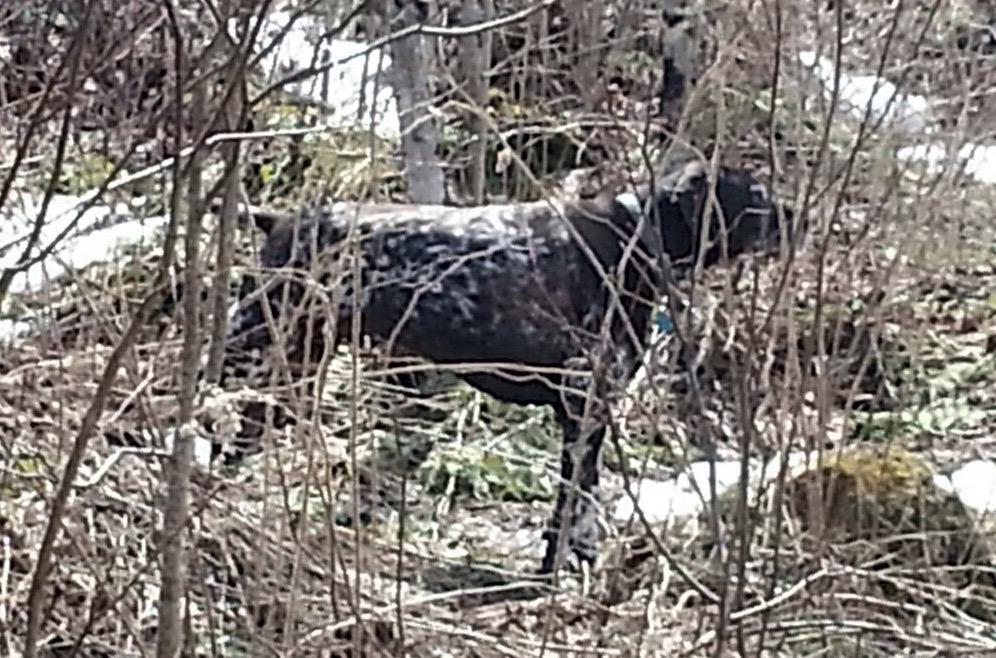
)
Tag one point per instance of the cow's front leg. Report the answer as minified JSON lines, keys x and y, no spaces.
{"x":580,"y":463}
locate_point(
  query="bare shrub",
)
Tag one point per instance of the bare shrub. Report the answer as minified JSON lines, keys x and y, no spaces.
{"x":384,"y":522}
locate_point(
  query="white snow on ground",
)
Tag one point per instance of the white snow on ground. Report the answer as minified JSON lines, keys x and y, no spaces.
{"x":683,"y":497}
{"x":978,"y":160}
{"x":354,"y":81}
{"x":677,"y":501}
{"x":92,"y":237}
{"x":905,"y":112}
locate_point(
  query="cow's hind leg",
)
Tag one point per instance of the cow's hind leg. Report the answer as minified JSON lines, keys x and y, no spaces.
{"x":294,"y":375}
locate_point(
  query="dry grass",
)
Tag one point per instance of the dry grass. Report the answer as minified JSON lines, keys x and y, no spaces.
{"x":883,"y":334}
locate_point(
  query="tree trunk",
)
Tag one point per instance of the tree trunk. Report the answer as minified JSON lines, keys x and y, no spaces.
{"x":679,"y":60}
{"x":475,"y":64}
{"x":419,"y":134}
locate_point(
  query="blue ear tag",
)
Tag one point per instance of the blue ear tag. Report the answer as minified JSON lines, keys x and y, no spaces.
{"x":663,"y":321}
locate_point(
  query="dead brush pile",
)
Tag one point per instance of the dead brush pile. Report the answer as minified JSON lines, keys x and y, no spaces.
{"x":880,"y":333}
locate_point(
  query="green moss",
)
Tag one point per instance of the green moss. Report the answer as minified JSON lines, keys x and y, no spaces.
{"x":884,"y":475}
{"x":865,"y":490}
{"x":341,"y":164}
{"x":939,"y":420}
{"x":24,"y":465}
{"x":470,"y":472}
{"x":642,"y":456}
{"x":89,"y":173}
{"x":349,"y":164}
{"x":883,"y":508}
